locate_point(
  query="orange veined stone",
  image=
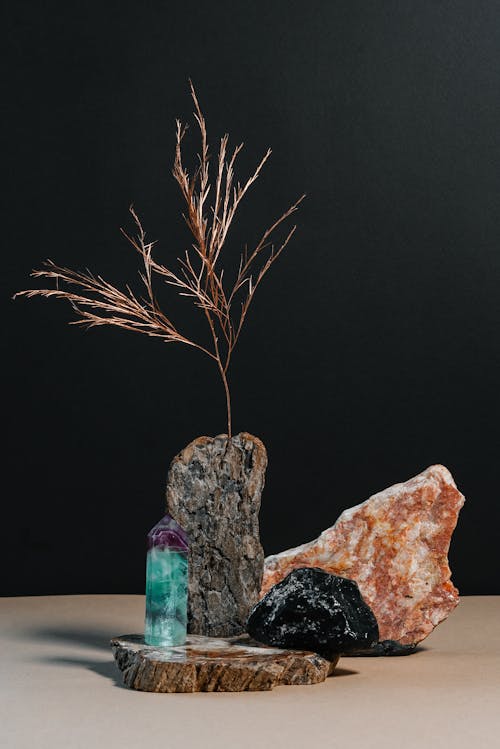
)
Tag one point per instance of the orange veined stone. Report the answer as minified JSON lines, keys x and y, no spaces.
{"x":395,"y":546}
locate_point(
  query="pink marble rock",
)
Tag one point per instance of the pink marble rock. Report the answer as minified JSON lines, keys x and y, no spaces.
{"x":395,"y":547}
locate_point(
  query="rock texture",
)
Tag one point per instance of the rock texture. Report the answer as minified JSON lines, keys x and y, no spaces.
{"x":395,"y":547}
{"x":312,"y":610}
{"x":214,"y":489}
{"x":206,"y":664}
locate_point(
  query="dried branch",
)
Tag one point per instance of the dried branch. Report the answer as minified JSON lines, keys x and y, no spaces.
{"x":198,"y":277}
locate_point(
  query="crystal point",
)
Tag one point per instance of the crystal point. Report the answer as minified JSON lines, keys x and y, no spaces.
{"x":166,"y":584}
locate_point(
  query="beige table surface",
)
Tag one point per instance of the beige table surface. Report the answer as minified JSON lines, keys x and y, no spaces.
{"x":59,"y":687}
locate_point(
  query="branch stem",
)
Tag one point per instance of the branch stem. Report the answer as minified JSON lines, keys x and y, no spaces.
{"x":228,"y":398}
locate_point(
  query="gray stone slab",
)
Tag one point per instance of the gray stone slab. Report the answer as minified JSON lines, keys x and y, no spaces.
{"x":214,"y":490}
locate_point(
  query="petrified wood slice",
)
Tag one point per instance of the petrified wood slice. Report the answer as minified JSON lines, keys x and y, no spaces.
{"x":208,"y":664}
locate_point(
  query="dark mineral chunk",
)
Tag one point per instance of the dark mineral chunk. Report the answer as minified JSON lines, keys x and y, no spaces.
{"x":313,"y":610}
{"x":387,"y":647}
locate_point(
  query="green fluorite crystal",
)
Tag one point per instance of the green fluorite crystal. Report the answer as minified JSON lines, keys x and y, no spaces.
{"x":166,"y":584}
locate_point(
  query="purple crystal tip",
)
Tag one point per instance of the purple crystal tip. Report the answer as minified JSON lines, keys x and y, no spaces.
{"x":168,"y":534}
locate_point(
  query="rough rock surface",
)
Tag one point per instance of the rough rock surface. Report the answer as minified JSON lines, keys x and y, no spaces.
{"x":207,"y":664}
{"x":313,"y":610}
{"x":395,"y":547}
{"x":214,"y":489}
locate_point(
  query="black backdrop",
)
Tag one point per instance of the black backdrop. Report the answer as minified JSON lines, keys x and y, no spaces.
{"x":372,"y":349}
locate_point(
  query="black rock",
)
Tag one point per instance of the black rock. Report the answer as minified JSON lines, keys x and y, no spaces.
{"x":312,"y":610}
{"x":386,"y":647}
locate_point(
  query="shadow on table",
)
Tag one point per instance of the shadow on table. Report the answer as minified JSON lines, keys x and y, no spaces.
{"x":86,"y":638}
{"x":108,"y":669}
{"x":91,"y":638}
{"x":343,"y":672}
{"x":398,"y":654}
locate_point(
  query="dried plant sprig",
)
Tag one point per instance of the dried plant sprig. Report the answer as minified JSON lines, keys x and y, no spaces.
{"x":199,"y":275}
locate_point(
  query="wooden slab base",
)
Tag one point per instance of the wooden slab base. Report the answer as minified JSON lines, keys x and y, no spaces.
{"x":210,"y":664}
